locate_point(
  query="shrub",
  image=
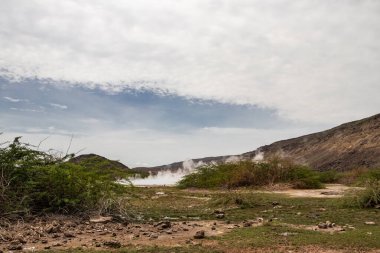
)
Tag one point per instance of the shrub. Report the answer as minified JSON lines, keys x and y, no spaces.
{"x":330,"y":176}
{"x":36,"y":181}
{"x":249,"y":173}
{"x":370,"y":197}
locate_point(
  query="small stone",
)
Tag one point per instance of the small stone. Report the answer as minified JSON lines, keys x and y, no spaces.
{"x":15,"y":246}
{"x":322,"y":225}
{"x":213,"y":228}
{"x":101,"y":219}
{"x":199,"y":234}
{"x":247,"y":224}
{"x":53,"y":229}
{"x":21,"y":240}
{"x":219,"y":215}
{"x":370,"y":223}
{"x":98,"y":244}
{"x":69,"y":234}
{"x":163,"y":224}
{"x":275,"y":203}
{"x":153,"y":236}
{"x":44,"y":241}
{"x":47,"y":247}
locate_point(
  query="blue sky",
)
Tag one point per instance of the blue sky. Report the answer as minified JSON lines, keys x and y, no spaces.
{"x":150,"y":83}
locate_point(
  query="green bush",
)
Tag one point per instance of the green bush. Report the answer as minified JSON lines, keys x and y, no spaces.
{"x":368,"y":176}
{"x":330,"y":176}
{"x":370,"y":197}
{"x":249,"y":173}
{"x":36,"y":181}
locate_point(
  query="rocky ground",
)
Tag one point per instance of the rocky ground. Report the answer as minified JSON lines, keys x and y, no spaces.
{"x":61,"y":232}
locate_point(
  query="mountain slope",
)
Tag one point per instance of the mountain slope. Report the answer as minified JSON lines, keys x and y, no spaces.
{"x":348,"y":146}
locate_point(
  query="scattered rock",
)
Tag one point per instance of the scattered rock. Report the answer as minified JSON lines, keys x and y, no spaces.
{"x":69,"y":234}
{"x":15,"y":246}
{"x":163,"y":225}
{"x":322,"y":225}
{"x":329,"y":224}
{"x":44,"y":241}
{"x":101,"y":219}
{"x":112,"y":244}
{"x":275,"y":203}
{"x":370,"y":223}
{"x":47,"y":247}
{"x":53,"y":229}
{"x":199,"y":234}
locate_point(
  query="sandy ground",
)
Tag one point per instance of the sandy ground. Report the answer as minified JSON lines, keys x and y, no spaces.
{"x":331,"y":191}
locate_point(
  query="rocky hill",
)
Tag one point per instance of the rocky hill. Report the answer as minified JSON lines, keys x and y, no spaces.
{"x":348,"y":146}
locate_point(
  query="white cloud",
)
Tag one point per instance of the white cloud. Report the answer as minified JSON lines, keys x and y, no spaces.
{"x":14,"y":100}
{"x":314,"y":61}
{"x":59,"y":106}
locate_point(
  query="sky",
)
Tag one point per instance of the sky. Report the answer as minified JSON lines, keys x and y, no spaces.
{"x":153,"y":82}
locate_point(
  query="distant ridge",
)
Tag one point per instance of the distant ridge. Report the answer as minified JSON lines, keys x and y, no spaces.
{"x":348,"y":146}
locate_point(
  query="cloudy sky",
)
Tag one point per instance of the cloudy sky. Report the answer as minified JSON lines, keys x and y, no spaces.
{"x":153,"y":82}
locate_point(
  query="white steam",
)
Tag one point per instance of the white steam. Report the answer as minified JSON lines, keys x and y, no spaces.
{"x":168,"y":177}
{"x":259,"y":156}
